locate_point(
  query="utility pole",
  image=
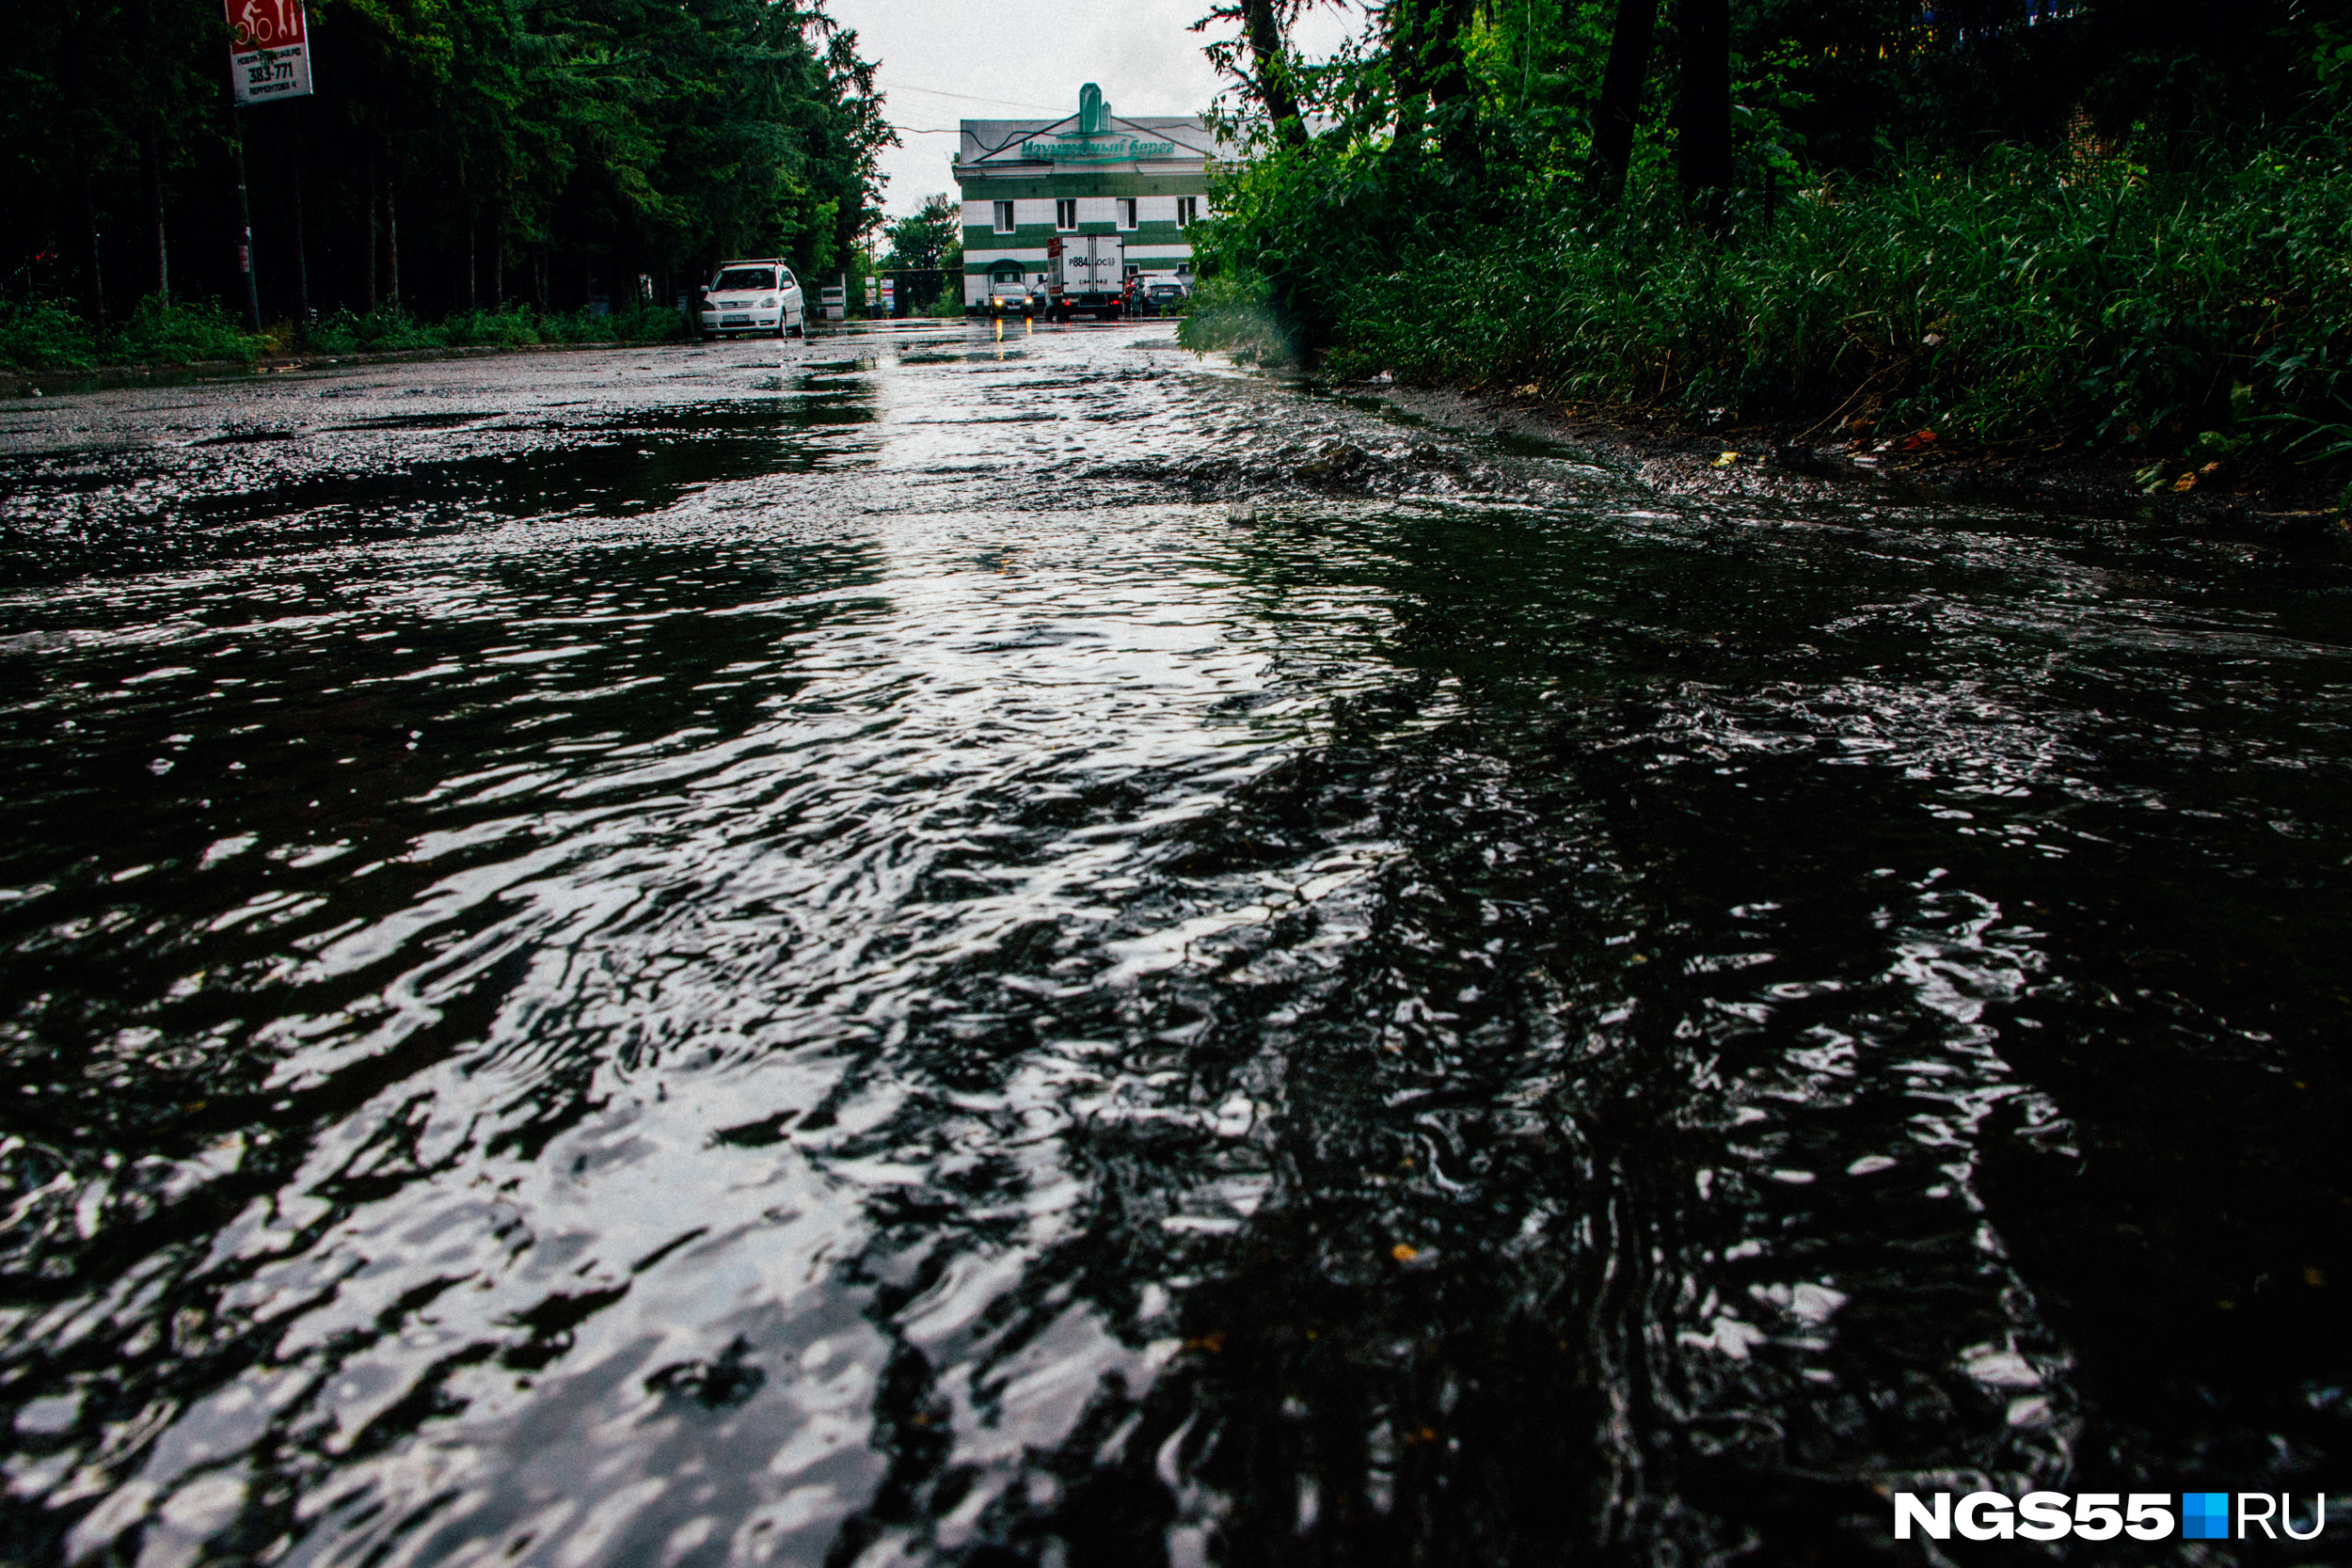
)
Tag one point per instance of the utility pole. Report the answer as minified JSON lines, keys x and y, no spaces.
{"x":245,"y":226}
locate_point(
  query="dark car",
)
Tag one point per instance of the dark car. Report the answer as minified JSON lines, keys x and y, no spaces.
{"x":1008,"y":297}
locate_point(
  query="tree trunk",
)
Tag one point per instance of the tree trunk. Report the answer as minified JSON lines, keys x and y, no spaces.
{"x":244,"y":227}
{"x":1404,"y":29}
{"x":498,"y":249}
{"x":1271,"y":61}
{"x":94,"y":282}
{"x":1704,"y":112}
{"x":151,"y":143}
{"x":1450,"y":101}
{"x":152,"y":188}
{"x":473,"y":222}
{"x":372,"y":235}
{"x":301,"y":234}
{"x":392,"y":239}
{"x":1620,"y":113}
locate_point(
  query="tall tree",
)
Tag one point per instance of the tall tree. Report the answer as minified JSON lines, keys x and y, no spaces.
{"x":605,"y":137}
{"x":1401,"y":26}
{"x":928,"y":247}
{"x":1453,"y":98}
{"x":1703,"y":108}
{"x":1618,"y":115}
{"x":1270,"y":75}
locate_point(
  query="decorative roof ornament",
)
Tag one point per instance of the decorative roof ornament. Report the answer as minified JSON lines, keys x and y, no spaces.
{"x":1092,"y":140}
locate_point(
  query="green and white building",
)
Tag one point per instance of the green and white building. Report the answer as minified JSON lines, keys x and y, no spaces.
{"x":1025,"y":182}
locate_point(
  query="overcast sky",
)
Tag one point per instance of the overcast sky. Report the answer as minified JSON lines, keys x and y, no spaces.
{"x":1029,"y":61}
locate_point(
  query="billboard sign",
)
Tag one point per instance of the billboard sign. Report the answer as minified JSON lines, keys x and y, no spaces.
{"x":270,"y":57}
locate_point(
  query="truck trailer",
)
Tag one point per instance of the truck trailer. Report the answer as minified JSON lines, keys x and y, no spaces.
{"x":1087,"y":276}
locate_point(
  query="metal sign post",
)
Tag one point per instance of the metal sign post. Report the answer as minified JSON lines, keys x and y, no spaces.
{"x":244,"y":241}
{"x":269,"y":59}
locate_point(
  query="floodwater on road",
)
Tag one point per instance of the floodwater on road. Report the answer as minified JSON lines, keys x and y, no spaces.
{"x":934,"y":948}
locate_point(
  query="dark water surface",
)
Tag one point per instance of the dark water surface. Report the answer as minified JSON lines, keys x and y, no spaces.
{"x":917,"y":951}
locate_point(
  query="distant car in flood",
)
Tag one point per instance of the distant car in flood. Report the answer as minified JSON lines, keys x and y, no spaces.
{"x":1007,"y":297}
{"x":754,"y":296}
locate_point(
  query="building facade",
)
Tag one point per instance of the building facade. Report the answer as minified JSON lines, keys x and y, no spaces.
{"x":1027,"y":181}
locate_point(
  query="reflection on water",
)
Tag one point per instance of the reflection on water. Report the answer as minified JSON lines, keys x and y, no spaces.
{"x":928,"y":951}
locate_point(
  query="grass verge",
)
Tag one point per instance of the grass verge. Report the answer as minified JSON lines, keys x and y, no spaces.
{"x":44,"y":335}
{"x":2199,"y":321}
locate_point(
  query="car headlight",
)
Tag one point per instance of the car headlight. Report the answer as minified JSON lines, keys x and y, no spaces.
{"x":766,"y":304}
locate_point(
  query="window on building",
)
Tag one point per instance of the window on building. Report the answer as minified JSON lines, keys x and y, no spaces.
{"x":1004,"y":218}
{"x":1066,"y":213}
{"x":1187,"y":210}
{"x":1126,"y":212}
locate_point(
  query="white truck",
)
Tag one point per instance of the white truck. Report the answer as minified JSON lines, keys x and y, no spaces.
{"x":1087,"y":275}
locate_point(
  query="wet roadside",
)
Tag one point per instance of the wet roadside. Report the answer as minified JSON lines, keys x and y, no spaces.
{"x":2292,"y":508}
{"x":20,"y":382}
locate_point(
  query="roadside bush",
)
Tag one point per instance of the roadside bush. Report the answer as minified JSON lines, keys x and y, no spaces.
{"x":2204,"y":312}
{"x":44,"y":335}
{"x":385,"y":329}
{"x":647,"y":323}
{"x":511,"y":328}
{"x":163,"y":333}
{"x":1235,"y":311}
{"x":389,"y":329}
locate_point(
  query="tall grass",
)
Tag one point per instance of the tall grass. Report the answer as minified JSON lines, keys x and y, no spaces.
{"x":42,"y":335}
{"x":2056,"y":298}
{"x":389,"y":329}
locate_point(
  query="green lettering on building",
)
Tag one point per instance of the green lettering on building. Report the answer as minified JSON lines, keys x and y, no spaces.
{"x":1092,"y":142}
{"x":1078,"y":149}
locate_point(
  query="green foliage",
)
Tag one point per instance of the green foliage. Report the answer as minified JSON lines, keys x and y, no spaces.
{"x":162,"y":334}
{"x":2108,"y":304}
{"x":2195,"y":302}
{"x":932,"y":237}
{"x":560,"y":148}
{"x":391,"y":331}
{"x":44,"y":335}
{"x":928,"y":247}
{"x":1235,"y":312}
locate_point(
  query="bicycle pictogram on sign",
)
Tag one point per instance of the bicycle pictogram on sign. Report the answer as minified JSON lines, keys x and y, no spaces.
{"x":266,"y":24}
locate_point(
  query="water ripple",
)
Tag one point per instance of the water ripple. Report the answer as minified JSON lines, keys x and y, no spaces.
{"x":926,"y":945}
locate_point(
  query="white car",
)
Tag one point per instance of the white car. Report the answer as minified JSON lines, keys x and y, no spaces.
{"x":754,"y":296}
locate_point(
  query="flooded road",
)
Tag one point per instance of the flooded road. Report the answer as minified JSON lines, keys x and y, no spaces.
{"x":919,"y":949}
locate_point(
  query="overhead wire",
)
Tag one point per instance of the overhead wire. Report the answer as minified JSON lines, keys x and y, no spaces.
{"x":969,"y":98}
